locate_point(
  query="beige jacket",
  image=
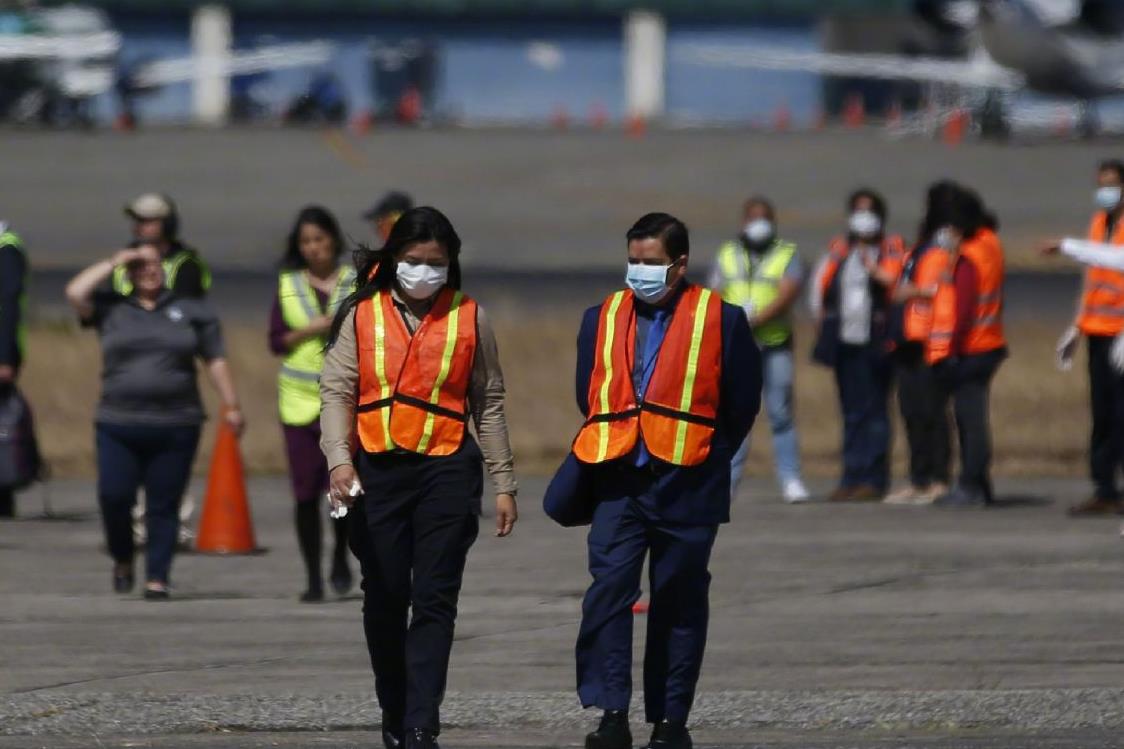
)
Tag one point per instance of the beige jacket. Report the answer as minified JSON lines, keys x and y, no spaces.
{"x":339,"y":394}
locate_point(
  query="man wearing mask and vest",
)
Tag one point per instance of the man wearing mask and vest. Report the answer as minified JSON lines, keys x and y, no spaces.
{"x":156,"y":222}
{"x":13,"y":330}
{"x":1100,"y":318}
{"x":763,"y":275}
{"x":966,"y":342}
{"x":669,"y":382}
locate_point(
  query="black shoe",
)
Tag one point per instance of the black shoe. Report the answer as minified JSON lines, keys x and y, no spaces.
{"x":421,"y":738}
{"x":390,"y":739}
{"x":341,"y":578}
{"x":312,"y":595}
{"x":123,"y":583}
{"x":612,"y":733}
{"x":151,"y":594}
{"x":669,"y":734}
{"x":962,"y":498}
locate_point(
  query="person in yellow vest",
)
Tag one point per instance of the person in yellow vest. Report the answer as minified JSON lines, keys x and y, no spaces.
{"x":763,"y":275}
{"x":310,"y":288}
{"x":156,"y":222}
{"x":853,"y":294}
{"x":1100,"y":318}
{"x":669,"y":383}
{"x":13,"y":335}
{"x":412,"y":359}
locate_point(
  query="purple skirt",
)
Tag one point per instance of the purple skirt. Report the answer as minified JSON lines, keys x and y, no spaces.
{"x":308,"y":470}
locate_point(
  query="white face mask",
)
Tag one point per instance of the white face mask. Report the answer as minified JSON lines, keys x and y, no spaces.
{"x":421,"y":281}
{"x":945,"y":239}
{"x":1108,"y":197}
{"x":865,"y":224}
{"x":759,"y":230}
{"x":648,"y":282}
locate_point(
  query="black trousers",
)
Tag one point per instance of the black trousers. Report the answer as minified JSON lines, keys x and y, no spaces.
{"x":972,"y":404}
{"x":1106,"y":444}
{"x":923,"y":401}
{"x":422,"y":516}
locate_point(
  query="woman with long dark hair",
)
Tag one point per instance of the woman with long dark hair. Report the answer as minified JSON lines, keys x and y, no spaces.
{"x":923,"y":400}
{"x":310,"y":288}
{"x":411,"y":359}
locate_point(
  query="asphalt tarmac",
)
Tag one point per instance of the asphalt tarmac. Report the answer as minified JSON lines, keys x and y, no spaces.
{"x":854,"y":626}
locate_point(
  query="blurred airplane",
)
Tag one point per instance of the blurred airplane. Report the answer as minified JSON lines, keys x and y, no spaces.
{"x":53,"y":61}
{"x":1065,"y":48}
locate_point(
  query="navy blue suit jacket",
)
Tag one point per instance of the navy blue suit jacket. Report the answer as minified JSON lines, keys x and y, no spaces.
{"x":699,"y":495}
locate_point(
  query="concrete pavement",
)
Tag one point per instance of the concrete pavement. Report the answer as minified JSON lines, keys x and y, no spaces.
{"x":831,"y":626}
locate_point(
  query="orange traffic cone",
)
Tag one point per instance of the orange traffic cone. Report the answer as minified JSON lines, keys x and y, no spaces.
{"x":560,"y":118}
{"x":854,"y":111}
{"x":956,"y":127}
{"x":782,"y":118}
{"x":894,"y":113}
{"x":225,"y":526}
{"x":636,"y":127}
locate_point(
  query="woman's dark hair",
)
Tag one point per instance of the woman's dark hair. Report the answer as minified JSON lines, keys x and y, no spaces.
{"x":966,"y":213}
{"x":938,"y":202}
{"x":878,"y":203}
{"x":319,"y":217}
{"x":377,"y":269}
{"x":669,"y":230}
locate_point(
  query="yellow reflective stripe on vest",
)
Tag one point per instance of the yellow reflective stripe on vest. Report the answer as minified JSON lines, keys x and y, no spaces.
{"x":304,"y":293}
{"x":346,"y":280}
{"x":451,"y":334}
{"x":606,"y":383}
{"x":380,"y":368}
{"x":690,"y":375}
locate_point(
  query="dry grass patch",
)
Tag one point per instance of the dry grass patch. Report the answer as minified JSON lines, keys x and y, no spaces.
{"x":1040,"y":415}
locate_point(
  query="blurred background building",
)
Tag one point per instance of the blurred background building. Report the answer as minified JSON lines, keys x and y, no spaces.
{"x":470,"y":62}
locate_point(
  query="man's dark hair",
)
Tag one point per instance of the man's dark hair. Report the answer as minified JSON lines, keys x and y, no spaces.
{"x":669,"y":230}
{"x":762,"y":202}
{"x":392,"y":202}
{"x":878,"y":203}
{"x":1113,"y":165}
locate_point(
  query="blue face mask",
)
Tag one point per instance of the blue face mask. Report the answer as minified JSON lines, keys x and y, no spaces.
{"x":648,"y":282}
{"x":1108,"y":197}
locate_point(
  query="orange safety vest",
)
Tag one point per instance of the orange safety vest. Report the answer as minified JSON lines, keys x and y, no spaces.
{"x":413,"y":389}
{"x":986,"y":253}
{"x":938,"y":344}
{"x":1102,"y":306}
{"x":679,"y":412}
{"x":891,"y":258}
{"x":917,"y":315}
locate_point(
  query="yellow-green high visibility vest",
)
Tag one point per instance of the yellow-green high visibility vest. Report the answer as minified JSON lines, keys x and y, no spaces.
{"x":172,"y":264}
{"x":757,"y":284}
{"x":298,"y":382}
{"x":11,"y":239}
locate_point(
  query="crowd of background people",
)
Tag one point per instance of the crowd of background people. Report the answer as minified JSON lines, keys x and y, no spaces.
{"x":923,"y":315}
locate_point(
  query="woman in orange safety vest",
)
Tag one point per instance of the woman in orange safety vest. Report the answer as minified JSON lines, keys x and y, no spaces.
{"x":412,"y":358}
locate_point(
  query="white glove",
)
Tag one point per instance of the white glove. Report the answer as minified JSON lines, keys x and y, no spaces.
{"x":1116,"y":354}
{"x":1067,"y":347}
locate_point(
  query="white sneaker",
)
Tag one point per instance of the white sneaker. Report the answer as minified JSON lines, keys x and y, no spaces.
{"x":795,"y":492}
